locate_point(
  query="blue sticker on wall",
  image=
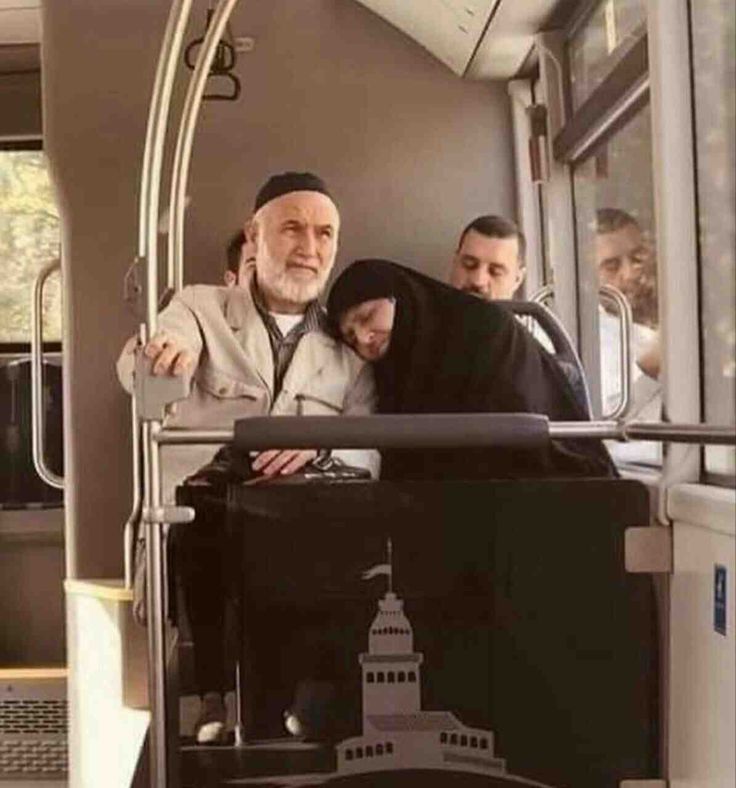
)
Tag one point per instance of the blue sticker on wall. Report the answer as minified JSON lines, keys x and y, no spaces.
{"x":719,"y":599}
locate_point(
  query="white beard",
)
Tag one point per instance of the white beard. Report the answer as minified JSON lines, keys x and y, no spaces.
{"x":286,"y":288}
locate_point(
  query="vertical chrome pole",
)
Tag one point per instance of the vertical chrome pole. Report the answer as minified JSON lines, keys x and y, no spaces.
{"x":185,"y":140}
{"x":239,"y":728}
{"x":155,"y":613}
{"x":150,"y":188}
{"x":135,"y":512}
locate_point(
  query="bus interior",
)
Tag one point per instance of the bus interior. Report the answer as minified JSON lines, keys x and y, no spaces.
{"x":134,"y":137}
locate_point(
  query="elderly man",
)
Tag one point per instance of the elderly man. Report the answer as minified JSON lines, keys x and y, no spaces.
{"x":261,"y":348}
{"x":489,"y":260}
{"x":255,"y":350}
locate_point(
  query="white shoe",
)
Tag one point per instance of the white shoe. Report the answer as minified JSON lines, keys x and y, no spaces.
{"x":210,"y":725}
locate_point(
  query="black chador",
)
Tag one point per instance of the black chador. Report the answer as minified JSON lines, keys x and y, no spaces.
{"x":453,"y":353}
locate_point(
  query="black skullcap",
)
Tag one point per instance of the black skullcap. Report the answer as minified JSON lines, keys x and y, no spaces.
{"x":287,"y":182}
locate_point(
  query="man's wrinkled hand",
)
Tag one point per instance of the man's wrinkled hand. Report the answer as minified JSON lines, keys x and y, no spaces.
{"x":167,"y":356}
{"x":282,"y":462}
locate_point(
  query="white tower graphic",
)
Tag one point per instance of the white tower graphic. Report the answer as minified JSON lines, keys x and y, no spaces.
{"x":391,"y":668}
{"x":397,"y":733}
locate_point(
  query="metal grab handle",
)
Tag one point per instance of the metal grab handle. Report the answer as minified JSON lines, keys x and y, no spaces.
{"x":624,"y":308}
{"x":38,"y":418}
{"x":624,"y":403}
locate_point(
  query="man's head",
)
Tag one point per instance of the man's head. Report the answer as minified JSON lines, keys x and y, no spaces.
{"x":240,"y":259}
{"x":621,"y":252}
{"x":294,"y":232}
{"x":489,"y":261}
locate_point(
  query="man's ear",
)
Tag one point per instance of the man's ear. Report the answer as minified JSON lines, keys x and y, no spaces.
{"x":520,"y":276}
{"x":230,"y":279}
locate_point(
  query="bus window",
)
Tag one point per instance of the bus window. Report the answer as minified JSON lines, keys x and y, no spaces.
{"x":614,"y":209}
{"x":29,"y":239}
{"x":607,"y":141}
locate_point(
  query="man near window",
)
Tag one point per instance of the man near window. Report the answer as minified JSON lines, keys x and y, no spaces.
{"x":623,"y":260}
{"x":489,"y":263}
{"x":489,"y":259}
{"x":255,"y":350}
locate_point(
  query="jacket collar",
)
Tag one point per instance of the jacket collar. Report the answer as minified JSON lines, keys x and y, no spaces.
{"x":247,"y":325}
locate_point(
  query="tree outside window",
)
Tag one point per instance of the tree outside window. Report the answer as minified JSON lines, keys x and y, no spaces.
{"x":29,"y":239}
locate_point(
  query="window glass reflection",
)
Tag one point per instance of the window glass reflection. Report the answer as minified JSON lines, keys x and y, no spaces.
{"x":614,"y":208}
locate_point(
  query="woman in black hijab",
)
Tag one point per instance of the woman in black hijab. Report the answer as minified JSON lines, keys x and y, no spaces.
{"x":438,"y":350}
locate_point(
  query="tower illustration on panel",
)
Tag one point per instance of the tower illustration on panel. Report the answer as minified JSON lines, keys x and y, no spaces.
{"x":398,"y":736}
{"x":397,"y":733}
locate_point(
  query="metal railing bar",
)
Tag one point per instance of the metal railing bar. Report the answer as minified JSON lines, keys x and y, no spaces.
{"x":150,"y":188}
{"x":705,"y":434}
{"x":435,"y":431}
{"x":38,"y":416}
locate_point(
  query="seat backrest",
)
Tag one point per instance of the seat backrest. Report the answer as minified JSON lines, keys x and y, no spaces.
{"x":564,"y":349}
{"x":20,"y":485}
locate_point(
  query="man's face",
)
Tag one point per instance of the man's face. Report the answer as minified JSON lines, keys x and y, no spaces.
{"x":487,"y":267}
{"x":295,"y":242}
{"x":247,"y":261}
{"x":620,"y":256}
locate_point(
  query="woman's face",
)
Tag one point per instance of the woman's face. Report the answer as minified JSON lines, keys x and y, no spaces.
{"x":366,"y":327}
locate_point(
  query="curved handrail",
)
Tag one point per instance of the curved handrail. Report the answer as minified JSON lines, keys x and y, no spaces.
{"x":543,"y":294}
{"x":624,"y":308}
{"x":557,"y":333}
{"x":150,"y":186}
{"x":38,"y":418}
{"x":185,"y":139}
{"x":617,"y":297}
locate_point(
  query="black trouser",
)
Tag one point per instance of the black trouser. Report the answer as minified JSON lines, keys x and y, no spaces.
{"x":203,"y":570}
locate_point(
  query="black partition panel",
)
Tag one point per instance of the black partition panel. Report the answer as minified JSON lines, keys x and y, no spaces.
{"x":508,"y":642}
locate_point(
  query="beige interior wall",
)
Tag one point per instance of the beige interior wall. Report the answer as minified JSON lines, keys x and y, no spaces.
{"x":410,"y":151}
{"x":32,"y":601}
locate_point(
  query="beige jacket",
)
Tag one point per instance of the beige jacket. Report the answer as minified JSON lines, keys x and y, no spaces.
{"x":233,"y":376}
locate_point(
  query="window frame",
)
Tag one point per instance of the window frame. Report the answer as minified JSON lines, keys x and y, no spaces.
{"x":31,"y":143}
{"x":708,"y":454}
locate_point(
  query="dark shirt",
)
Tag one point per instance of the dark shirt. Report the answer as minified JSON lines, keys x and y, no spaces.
{"x":284,"y":347}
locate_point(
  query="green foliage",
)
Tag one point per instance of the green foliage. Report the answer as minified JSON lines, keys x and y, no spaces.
{"x":29,"y":239}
